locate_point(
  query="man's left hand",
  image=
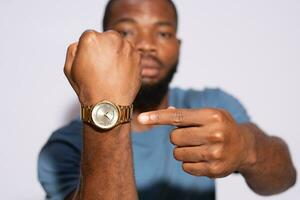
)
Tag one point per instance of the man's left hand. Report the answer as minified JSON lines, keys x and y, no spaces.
{"x":208,"y":141}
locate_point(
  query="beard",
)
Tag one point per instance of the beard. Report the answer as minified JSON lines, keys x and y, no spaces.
{"x":151,"y":95}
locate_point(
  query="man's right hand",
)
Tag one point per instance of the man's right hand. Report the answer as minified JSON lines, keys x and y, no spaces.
{"x":103,"y":66}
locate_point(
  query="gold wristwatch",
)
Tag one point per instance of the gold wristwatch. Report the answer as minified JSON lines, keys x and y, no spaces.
{"x":106,"y":115}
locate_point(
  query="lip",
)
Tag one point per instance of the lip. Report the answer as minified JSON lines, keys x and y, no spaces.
{"x":150,"y":72}
{"x":150,"y":68}
{"x":149,"y":63}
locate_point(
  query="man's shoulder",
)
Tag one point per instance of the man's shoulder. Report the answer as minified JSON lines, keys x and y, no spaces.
{"x":59,"y":161}
{"x":202,"y":90}
{"x":206,"y":97}
{"x":69,"y":134}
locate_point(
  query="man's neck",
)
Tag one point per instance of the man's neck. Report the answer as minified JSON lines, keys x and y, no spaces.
{"x":136,"y":126}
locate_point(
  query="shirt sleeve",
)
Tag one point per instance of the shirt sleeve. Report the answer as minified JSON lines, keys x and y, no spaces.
{"x":59,"y":163}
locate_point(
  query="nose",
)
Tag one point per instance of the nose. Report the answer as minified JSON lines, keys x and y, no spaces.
{"x":146,"y":44}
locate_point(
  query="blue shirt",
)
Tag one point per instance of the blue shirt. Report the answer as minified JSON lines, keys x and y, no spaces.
{"x":158,"y":175}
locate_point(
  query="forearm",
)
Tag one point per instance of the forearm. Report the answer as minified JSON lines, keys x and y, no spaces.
{"x":107,"y":166}
{"x":106,"y":161}
{"x":272,"y":170}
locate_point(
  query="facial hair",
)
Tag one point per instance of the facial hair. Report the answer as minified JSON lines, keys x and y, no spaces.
{"x":151,"y":95}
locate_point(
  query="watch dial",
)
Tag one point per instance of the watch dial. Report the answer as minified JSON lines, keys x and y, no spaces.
{"x":105,"y":115}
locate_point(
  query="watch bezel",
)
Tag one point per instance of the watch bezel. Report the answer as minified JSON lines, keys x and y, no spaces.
{"x":115,"y":119}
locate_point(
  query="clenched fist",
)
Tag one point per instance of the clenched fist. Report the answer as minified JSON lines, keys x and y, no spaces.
{"x":208,"y":141}
{"x":103,"y":66}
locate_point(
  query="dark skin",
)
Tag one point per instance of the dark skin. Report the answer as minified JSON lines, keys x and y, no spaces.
{"x":151,"y":27}
{"x":106,"y":155}
{"x":208,"y":141}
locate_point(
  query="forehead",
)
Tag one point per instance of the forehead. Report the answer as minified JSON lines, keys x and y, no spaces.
{"x":143,"y":11}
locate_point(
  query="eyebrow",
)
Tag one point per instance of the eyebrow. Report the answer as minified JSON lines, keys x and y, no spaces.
{"x":130,"y":20}
{"x":121,"y":20}
{"x":164,"y":23}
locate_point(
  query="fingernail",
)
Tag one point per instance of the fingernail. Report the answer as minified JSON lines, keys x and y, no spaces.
{"x":153,"y":117}
{"x":143,"y":118}
{"x":171,"y":107}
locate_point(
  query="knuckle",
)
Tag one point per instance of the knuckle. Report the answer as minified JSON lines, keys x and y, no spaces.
{"x":217,"y":154}
{"x":112,"y":33}
{"x":217,"y":115}
{"x":88,"y":36}
{"x":177,"y":117}
{"x":70,"y":48}
{"x":114,"y":36}
{"x":217,"y":137}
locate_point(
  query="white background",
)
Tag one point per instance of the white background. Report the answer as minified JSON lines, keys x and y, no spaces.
{"x":248,"y":47}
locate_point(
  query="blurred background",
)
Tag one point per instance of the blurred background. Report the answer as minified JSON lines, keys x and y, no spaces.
{"x":249,"y":48}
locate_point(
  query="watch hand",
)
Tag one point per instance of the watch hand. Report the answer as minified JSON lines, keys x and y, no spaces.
{"x":106,"y":116}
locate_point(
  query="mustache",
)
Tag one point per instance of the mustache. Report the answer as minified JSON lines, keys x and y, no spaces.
{"x":153,"y":58}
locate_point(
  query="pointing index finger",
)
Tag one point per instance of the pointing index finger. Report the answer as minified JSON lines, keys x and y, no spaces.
{"x":176,"y":117}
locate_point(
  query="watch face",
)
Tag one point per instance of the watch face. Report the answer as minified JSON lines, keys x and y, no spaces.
{"x":105,"y":115}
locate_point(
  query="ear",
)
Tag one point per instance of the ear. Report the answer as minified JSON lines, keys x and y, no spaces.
{"x":179,"y":42}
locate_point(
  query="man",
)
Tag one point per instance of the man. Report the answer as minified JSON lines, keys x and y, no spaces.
{"x":175,"y":141}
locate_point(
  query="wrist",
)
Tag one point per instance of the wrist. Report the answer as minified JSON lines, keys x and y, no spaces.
{"x":250,"y":153}
{"x":116,"y":136}
{"x":88,"y":98}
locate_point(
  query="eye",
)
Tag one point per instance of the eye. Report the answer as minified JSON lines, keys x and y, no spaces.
{"x":126,"y":33}
{"x":165,"y":35}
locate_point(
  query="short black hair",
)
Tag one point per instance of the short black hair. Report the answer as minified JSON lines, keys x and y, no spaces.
{"x":107,"y":13}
